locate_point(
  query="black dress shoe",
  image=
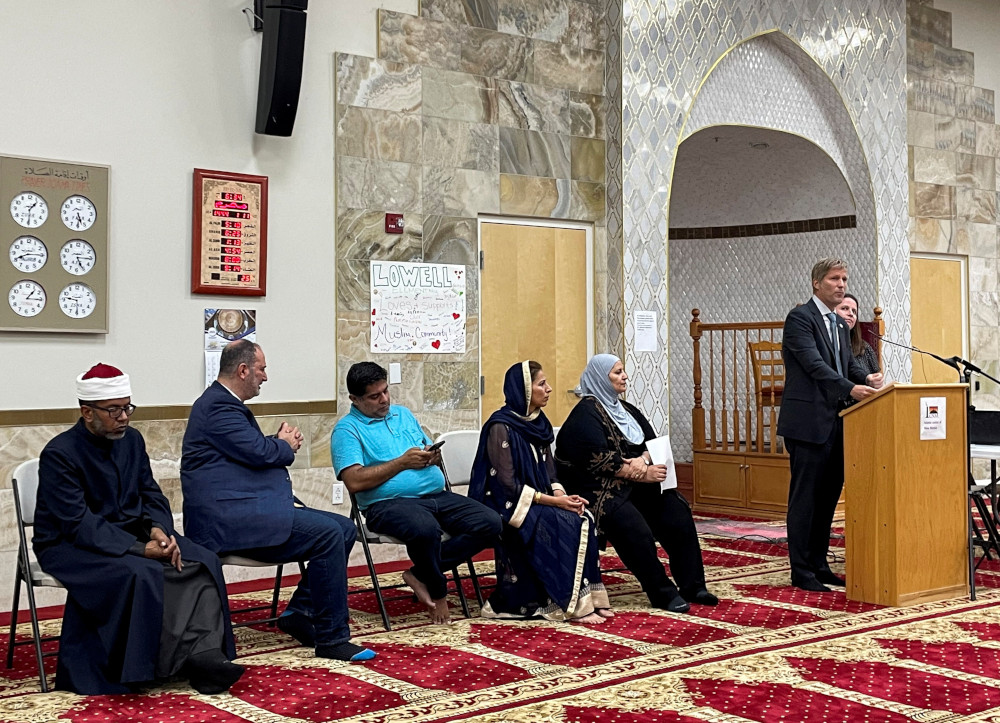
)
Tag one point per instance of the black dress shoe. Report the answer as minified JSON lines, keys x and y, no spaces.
{"x":211,"y":672}
{"x":811,"y":584}
{"x":828,"y":577}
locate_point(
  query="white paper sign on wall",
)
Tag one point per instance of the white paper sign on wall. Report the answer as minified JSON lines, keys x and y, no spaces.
{"x":417,"y":308}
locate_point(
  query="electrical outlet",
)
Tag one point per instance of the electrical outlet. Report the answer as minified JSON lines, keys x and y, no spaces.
{"x":338,"y":493}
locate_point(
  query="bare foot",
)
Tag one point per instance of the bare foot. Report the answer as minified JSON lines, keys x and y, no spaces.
{"x":419,"y":589}
{"x":439,"y":612}
{"x":606,"y":612}
{"x":592,"y":619}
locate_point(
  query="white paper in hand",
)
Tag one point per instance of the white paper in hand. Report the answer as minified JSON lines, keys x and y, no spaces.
{"x":660,"y":453}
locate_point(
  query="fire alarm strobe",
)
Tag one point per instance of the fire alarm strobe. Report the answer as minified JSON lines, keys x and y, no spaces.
{"x":394,"y":223}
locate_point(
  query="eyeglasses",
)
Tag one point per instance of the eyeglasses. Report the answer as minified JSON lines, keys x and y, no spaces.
{"x":114,"y":412}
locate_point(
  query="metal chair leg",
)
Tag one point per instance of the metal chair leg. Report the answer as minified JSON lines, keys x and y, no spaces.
{"x":36,"y":630}
{"x":274,"y":598}
{"x":14,"y":609}
{"x":475,"y":584}
{"x":375,"y":586}
{"x":992,"y":534}
{"x":461,"y":593}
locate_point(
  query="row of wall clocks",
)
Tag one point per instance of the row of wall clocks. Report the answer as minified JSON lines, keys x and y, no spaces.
{"x":44,"y":294}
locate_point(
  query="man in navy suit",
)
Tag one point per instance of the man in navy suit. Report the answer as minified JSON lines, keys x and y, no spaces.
{"x":238,"y":500}
{"x":821,"y":374}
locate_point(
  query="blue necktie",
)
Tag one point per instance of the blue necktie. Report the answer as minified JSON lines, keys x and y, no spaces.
{"x":835,"y":338}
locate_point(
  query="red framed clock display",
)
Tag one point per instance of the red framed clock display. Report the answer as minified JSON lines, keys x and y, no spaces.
{"x":229,"y":234}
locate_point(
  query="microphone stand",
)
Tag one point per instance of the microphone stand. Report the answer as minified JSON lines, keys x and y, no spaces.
{"x":988,"y":516}
{"x":952,"y":362}
{"x":965,"y":371}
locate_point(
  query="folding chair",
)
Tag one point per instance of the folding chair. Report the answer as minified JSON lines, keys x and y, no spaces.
{"x":239,"y":561}
{"x":457,"y":457}
{"x":369,"y":538}
{"x":25,"y":486}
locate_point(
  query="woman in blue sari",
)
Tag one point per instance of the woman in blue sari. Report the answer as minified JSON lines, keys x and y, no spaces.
{"x":548,"y":564}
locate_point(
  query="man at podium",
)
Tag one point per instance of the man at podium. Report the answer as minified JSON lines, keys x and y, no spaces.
{"x":821,"y":374}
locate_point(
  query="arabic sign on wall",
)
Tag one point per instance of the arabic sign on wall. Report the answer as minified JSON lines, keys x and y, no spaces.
{"x":417,"y":308}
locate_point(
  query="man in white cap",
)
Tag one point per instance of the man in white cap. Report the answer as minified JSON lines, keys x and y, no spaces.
{"x":144,"y":603}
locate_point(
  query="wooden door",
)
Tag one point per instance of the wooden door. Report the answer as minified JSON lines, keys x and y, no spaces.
{"x":533,"y":306}
{"x":937,"y":316}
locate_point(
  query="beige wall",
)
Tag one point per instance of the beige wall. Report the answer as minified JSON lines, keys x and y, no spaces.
{"x":155,"y":90}
{"x":974,"y":27}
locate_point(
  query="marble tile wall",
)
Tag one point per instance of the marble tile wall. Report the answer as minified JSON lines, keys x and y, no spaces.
{"x":474,"y":107}
{"x":704,"y":274}
{"x":953,"y":145}
{"x":669,"y":48}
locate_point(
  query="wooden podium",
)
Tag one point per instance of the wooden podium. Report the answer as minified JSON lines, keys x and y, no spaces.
{"x":907,"y":503}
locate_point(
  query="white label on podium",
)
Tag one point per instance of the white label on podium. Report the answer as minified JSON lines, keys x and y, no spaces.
{"x":933,"y":412}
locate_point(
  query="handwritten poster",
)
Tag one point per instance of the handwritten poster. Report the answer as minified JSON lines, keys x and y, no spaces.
{"x":417,"y":308}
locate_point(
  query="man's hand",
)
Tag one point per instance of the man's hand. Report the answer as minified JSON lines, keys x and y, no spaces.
{"x":436,"y":459}
{"x":655,"y":473}
{"x":290,"y":434}
{"x":161,"y":547}
{"x":860,"y":391}
{"x":875,"y":381}
{"x":417,"y":458}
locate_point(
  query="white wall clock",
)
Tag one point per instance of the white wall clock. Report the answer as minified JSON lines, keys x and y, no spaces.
{"x":78,"y":213}
{"x":77,"y":257}
{"x":29,"y":209}
{"x":26,"y":298}
{"x":58,"y":253}
{"x":77,"y":301}
{"x":28,"y":254}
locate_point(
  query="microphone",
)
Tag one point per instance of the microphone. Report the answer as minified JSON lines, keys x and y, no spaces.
{"x":953,"y":362}
{"x":967,"y":364}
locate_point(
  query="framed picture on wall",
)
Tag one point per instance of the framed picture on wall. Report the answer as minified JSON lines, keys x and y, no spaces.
{"x":55,"y":227}
{"x":229,"y":234}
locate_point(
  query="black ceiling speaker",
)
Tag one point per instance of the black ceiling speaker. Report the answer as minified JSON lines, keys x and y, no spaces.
{"x":281,"y":53}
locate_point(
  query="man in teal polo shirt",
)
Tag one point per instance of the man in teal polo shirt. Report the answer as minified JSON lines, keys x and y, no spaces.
{"x":380,"y":453}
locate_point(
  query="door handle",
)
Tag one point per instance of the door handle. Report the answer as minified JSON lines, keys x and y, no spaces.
{"x":575,"y":391}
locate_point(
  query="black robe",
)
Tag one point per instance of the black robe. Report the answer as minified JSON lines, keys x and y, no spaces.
{"x":96,"y":500}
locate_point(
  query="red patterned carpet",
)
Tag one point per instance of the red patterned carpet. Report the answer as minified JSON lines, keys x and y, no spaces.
{"x":766,"y":653}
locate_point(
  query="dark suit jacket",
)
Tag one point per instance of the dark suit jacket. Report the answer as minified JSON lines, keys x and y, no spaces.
{"x":237,"y":492}
{"x":814,"y":391}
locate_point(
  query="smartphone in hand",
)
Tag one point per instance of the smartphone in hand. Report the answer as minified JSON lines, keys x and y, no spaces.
{"x":437,"y":445}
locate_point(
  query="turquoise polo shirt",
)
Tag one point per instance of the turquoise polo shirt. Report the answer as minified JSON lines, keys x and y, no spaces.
{"x":368,"y":441}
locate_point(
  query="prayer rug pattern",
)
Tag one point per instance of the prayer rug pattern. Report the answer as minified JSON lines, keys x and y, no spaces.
{"x":767,"y":652}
